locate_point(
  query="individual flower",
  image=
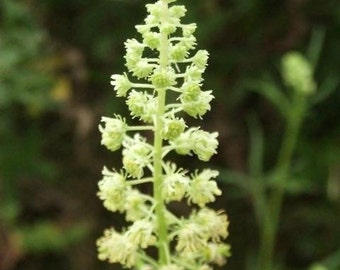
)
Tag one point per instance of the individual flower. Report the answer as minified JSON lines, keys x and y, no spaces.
{"x":188,"y":29}
{"x":177,"y":11}
{"x":113,"y":132}
{"x":141,"y":233}
{"x":121,"y":84}
{"x":155,"y":9}
{"x":204,"y":144}
{"x":173,"y":128}
{"x":190,"y":91}
{"x":215,"y":223}
{"x":183,"y":143}
{"x":217,"y":253}
{"x":134,"y":48}
{"x":163,"y":78}
{"x":193,"y":73}
{"x":198,"y":106}
{"x":191,"y":239}
{"x":142,"y":28}
{"x":135,"y":205}
{"x":142,"y":105}
{"x":200,"y":59}
{"x":169,"y":27}
{"x":203,"y":188}
{"x":140,"y":67}
{"x":112,"y":190}
{"x":189,"y":42}
{"x":136,"y":155}
{"x":175,"y":183}
{"x":116,"y":248}
{"x":178,"y":52}
{"x":151,"y":39}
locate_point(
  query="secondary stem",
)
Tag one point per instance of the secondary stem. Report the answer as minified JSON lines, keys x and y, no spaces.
{"x":163,"y":248}
{"x":282,"y":170}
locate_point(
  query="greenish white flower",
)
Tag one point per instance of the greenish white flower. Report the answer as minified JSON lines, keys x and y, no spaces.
{"x":193,"y":73}
{"x":199,"y":106}
{"x":121,"y":84}
{"x":163,"y":78}
{"x":191,"y":239}
{"x":217,"y":253}
{"x":189,"y":42}
{"x":142,"y":105}
{"x":112,"y":190}
{"x":190,"y":91}
{"x":141,"y":233}
{"x":168,"y":28}
{"x":113,"y":132}
{"x":177,"y":11}
{"x":215,"y":223}
{"x":116,"y":248}
{"x":178,"y":52}
{"x":151,"y":39}
{"x":134,"y":47}
{"x":175,"y":183}
{"x":183,"y":143}
{"x":200,"y":59}
{"x":204,"y":144}
{"x":189,"y":29}
{"x":140,"y":68}
{"x":173,"y":128}
{"x":136,"y":155}
{"x":135,"y":205}
{"x":203,"y":188}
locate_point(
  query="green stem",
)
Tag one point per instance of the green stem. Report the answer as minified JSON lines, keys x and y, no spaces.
{"x":163,"y":242}
{"x":281,"y":172}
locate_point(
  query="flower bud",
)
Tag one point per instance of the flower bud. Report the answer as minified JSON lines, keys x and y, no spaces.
{"x":297,"y":73}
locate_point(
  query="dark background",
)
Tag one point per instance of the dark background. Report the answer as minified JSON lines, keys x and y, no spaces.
{"x":56,"y":59}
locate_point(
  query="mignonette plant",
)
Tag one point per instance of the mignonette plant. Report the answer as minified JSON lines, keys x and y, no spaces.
{"x":159,"y":91}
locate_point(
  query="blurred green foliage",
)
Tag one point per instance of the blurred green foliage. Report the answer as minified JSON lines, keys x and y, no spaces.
{"x":56,"y":57}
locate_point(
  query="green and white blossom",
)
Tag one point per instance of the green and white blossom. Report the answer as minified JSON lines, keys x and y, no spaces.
{"x":183,"y":243}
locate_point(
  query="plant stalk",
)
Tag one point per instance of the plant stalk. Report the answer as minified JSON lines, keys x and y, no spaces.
{"x":163,"y":242}
{"x":281,"y":172}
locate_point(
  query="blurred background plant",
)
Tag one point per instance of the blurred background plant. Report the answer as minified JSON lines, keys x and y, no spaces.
{"x":56,"y":57}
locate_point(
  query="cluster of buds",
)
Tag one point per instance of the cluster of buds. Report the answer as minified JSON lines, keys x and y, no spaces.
{"x":174,"y":74}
